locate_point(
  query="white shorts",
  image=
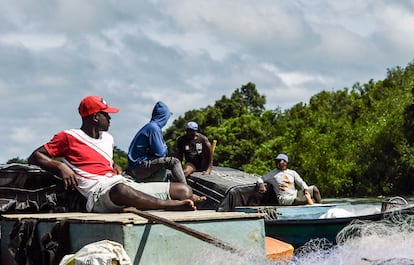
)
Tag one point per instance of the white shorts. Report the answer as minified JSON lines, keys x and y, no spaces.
{"x":103,"y":203}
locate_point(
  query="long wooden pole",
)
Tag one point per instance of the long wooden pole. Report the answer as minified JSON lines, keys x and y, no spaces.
{"x":213,"y":146}
{"x":187,"y":230}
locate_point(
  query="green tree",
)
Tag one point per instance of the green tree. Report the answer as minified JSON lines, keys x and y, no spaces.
{"x":120,"y":158}
{"x":17,"y":160}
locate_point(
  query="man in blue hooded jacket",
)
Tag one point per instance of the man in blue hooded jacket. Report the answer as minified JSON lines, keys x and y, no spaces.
{"x":147,"y":153}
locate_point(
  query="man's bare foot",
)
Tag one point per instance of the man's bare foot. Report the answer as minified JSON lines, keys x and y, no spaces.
{"x":196,"y":198}
{"x":308,"y":197}
{"x":206,"y":172}
{"x":184,"y":205}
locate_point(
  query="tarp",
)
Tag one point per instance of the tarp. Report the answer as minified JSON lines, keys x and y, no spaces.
{"x":228,"y":188}
{"x":28,"y":188}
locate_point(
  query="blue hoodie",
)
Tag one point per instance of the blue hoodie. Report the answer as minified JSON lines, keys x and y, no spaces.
{"x":149,"y":142}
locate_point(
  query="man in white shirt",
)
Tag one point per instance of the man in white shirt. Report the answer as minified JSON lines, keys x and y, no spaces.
{"x":285,"y":182}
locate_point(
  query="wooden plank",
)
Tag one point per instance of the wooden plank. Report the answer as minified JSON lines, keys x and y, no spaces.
{"x":130,"y":218}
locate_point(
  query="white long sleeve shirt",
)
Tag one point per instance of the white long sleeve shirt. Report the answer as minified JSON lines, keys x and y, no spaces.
{"x":285,"y":183}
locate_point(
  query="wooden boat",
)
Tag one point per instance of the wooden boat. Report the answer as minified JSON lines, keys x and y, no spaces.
{"x":145,"y":242}
{"x":228,"y":189}
{"x":34,"y":209}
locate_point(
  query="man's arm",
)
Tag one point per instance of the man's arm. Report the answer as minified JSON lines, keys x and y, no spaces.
{"x":303,"y":186}
{"x":269,"y":177}
{"x":209,"y":155}
{"x":42,"y":158}
{"x":299,"y":182}
{"x":180,"y":149}
{"x":260,"y":185}
{"x":157,"y":143}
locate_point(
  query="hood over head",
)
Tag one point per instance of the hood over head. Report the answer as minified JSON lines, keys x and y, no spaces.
{"x":160,"y":114}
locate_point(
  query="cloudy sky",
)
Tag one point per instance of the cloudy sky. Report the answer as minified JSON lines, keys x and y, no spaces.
{"x":187,"y":53}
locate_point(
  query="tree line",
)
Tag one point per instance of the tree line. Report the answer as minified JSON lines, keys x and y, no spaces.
{"x":355,"y":141}
{"x":352,"y":142}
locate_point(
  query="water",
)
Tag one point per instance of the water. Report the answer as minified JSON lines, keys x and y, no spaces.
{"x":387,"y":242}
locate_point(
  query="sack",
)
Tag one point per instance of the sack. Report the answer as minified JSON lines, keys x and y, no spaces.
{"x":26,"y":249}
{"x":55,"y":243}
{"x":24,"y":244}
{"x":103,"y":252}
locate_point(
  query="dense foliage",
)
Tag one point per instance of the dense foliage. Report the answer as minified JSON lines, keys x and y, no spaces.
{"x":352,"y":142}
{"x":356,"y":141}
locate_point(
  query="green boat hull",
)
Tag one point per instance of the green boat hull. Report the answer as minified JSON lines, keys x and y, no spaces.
{"x":298,"y":232}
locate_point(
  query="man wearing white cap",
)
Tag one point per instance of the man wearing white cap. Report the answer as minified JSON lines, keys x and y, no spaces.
{"x":196,"y":149}
{"x":285,"y":181}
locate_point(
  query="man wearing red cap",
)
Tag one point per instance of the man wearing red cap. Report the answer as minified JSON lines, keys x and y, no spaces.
{"x":87,"y":165}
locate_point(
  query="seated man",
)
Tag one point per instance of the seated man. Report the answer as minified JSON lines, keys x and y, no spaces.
{"x":87,"y":166}
{"x":196,"y":149}
{"x":285,"y":181}
{"x":147,"y":153}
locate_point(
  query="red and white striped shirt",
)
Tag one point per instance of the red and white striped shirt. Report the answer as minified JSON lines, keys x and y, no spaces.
{"x":89,"y":158}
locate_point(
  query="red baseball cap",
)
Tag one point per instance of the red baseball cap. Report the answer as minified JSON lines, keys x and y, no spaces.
{"x":94,"y":104}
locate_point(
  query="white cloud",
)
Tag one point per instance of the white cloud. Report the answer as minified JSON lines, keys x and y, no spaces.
{"x":291,"y":79}
{"x":396,"y":25}
{"x":36,"y":42}
{"x":185,"y":53}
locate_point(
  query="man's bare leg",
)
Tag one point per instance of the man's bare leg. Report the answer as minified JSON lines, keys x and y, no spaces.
{"x":122,"y":194}
{"x":180,"y":191}
{"x":316,"y":194}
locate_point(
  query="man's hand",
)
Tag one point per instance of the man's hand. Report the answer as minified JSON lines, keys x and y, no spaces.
{"x":69,"y":177}
{"x":262,"y":188}
{"x":42,"y":158}
{"x":118,"y":169}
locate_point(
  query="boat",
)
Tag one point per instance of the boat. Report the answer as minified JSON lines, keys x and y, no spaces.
{"x":228,"y":232}
{"x":303,"y":224}
{"x":229,"y":189}
{"x":38,"y":216}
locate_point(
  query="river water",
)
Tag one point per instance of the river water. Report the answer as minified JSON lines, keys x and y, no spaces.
{"x":389,"y":242}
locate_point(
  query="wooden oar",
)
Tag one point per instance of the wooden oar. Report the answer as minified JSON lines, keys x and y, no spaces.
{"x":189,"y":231}
{"x":213,"y":146}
